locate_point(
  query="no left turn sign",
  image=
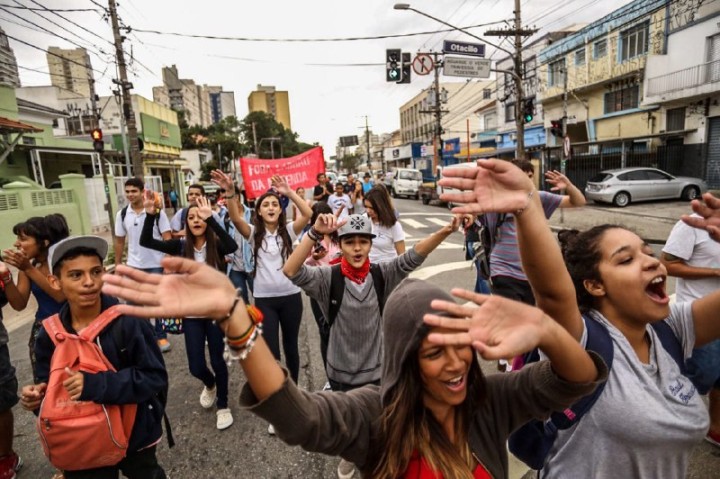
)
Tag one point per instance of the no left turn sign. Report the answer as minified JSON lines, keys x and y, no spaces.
{"x":423,"y":64}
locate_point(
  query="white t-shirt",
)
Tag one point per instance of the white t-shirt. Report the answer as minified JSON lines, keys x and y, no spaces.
{"x":696,"y":248}
{"x":383,"y":246}
{"x":270,"y":281}
{"x":335,"y":202}
{"x":130,"y":229}
{"x":647,"y":420}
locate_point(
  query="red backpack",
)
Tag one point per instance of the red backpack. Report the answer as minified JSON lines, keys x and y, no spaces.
{"x":79,"y":435}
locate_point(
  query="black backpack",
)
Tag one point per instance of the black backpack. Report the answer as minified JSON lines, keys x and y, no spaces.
{"x":337,"y":290}
{"x":483,"y":234}
{"x":531,"y":443}
{"x":123,"y":214}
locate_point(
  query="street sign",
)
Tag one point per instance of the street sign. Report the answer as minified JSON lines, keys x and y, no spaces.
{"x":571,"y":120}
{"x":464,"y":48}
{"x":423,"y":64}
{"x":466,"y":67}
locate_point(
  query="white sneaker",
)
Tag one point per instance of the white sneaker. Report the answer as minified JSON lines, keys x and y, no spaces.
{"x":207,"y":397}
{"x":224,"y":418}
{"x":346,"y":469}
{"x":271,"y":430}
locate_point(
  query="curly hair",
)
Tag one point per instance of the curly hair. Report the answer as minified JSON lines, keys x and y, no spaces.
{"x":582,"y":254}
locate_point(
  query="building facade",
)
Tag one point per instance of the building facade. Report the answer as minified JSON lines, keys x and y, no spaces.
{"x":184,"y":95}
{"x":70,"y":69}
{"x":270,"y":100}
{"x":8,"y":63}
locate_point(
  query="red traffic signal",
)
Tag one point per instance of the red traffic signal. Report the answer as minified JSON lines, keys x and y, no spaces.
{"x":556,"y":128}
{"x":98,"y":143}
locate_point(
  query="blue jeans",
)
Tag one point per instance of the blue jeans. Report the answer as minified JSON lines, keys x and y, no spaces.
{"x":159,"y":331}
{"x":196,"y":332}
{"x":243,"y":281}
{"x":481,"y":284}
{"x":703,"y":367}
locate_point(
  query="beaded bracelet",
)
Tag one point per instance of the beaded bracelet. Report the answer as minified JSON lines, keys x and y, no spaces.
{"x":238,"y":297}
{"x":519,"y":212}
{"x":314,"y":235}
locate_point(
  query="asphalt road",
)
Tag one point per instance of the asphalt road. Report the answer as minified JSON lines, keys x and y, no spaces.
{"x":245,"y":449}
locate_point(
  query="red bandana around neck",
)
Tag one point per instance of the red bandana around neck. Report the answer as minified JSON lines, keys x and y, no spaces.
{"x":356,"y":275}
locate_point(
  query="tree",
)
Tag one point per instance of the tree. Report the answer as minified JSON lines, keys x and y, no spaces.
{"x":350,"y":162}
{"x":267,"y":127}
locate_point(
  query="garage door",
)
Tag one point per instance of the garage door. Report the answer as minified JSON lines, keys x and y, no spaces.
{"x":713,"y":158}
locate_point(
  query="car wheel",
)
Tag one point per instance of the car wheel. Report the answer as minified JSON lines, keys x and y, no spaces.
{"x":622,"y":199}
{"x":690,"y":193}
{"x":425,"y":200}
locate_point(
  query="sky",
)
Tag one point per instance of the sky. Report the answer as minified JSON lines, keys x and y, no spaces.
{"x":333,"y":85}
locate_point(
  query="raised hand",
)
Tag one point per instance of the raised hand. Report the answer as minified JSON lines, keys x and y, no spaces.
{"x":223,"y":180}
{"x":327,"y":223}
{"x":710,"y":215}
{"x":188,"y":288}
{"x":280,"y":184}
{"x":204,"y":208}
{"x":557,"y":179}
{"x":149,"y":202}
{"x":499,"y":328}
{"x":495,"y":185}
{"x":17,"y":258}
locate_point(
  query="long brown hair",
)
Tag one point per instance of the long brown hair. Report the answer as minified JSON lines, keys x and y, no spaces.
{"x":407,"y":426}
{"x":212,"y":253}
{"x":260,"y":229}
{"x":379,"y":199}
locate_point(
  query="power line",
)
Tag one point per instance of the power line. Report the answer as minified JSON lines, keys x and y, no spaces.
{"x":53,"y":54}
{"x":72,"y":22}
{"x":23,"y":7}
{"x":346,"y":39}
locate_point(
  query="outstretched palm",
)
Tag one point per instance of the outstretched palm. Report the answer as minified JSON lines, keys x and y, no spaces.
{"x":557,"y":180}
{"x":280,"y":184}
{"x":223,"y":180}
{"x":495,"y":185}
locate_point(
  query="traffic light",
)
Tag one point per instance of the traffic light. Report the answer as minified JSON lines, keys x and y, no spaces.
{"x":556,"y":128}
{"x":392,"y":65}
{"x":406,"y":66}
{"x":98,"y":143}
{"x":528,"y":110}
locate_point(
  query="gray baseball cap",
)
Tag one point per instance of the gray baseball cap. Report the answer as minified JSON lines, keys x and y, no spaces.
{"x":59,"y":249}
{"x":356,"y":225}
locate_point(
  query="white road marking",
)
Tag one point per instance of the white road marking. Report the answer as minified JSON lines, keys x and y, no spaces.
{"x":438,"y":213}
{"x":438,"y":221}
{"x":431,"y":271}
{"x":413,"y":223}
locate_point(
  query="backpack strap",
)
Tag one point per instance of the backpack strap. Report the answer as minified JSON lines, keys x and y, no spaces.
{"x":123,"y":214}
{"x":337,"y":290}
{"x":54,"y":327}
{"x":670,"y":342}
{"x":100,"y":323}
{"x":379,"y":284}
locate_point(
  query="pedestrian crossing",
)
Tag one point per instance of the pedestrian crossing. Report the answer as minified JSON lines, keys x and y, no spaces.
{"x":433,"y":222}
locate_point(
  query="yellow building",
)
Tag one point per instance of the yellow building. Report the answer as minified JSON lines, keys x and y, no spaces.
{"x":272,"y":101}
{"x":601,"y":67}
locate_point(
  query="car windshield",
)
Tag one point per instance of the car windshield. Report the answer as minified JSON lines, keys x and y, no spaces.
{"x":410,"y":175}
{"x":600,"y":177}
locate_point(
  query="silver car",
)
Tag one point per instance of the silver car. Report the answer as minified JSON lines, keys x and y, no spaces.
{"x":624,"y":185}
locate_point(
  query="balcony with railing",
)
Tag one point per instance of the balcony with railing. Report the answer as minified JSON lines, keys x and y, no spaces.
{"x":688,"y":83}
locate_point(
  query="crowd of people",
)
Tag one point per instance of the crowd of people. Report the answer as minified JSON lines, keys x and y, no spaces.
{"x":405,"y":396}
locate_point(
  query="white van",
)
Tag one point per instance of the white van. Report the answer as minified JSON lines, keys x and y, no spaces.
{"x":440,"y":174}
{"x":406,"y":182}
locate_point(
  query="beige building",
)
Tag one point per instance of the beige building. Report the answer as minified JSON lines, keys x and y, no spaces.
{"x":70,"y":69}
{"x":184,"y":95}
{"x":270,"y":100}
{"x":8,"y":64}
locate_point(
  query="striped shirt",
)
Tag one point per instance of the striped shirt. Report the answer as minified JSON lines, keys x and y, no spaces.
{"x":505,"y":256}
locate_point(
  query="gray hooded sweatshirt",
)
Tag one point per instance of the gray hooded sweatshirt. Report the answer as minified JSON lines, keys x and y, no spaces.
{"x":347,"y":424}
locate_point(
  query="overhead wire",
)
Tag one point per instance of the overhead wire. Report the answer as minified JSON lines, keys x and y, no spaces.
{"x":23,"y":7}
{"x":51,"y":53}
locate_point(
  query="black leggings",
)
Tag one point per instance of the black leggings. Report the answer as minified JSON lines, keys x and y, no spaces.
{"x":283,"y":312}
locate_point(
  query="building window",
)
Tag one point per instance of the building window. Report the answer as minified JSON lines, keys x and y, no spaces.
{"x":491,"y":121}
{"x":675,"y":119}
{"x":623,"y":99}
{"x":634,"y":41}
{"x":556,"y":73}
{"x":599,"y":49}
{"x":580,"y":57}
{"x":487,"y":93}
{"x":530,"y":68}
{"x":509,"y":112}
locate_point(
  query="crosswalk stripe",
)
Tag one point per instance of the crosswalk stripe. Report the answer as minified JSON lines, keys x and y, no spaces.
{"x":438,"y":221}
{"x":413,"y":223}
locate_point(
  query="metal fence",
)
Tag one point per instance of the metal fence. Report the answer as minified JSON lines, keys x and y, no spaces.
{"x":686,"y":78}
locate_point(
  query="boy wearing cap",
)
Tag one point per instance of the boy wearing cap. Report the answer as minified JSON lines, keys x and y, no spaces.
{"x":355,"y":349}
{"x":139,"y":377}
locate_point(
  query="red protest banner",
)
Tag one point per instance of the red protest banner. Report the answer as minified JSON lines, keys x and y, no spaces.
{"x":298,"y":170}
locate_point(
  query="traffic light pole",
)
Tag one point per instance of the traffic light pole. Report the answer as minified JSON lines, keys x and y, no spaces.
{"x":437,"y":155}
{"x":101,"y":156}
{"x":125,"y":88}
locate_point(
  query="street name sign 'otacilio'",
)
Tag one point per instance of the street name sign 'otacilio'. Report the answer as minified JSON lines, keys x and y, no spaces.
{"x":464,"y":48}
{"x":466,"y":67}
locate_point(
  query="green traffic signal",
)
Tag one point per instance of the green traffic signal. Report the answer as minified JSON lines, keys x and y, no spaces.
{"x":528,"y":118}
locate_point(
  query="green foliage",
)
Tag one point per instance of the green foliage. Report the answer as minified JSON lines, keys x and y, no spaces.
{"x":206,"y":168}
{"x":350,"y":162}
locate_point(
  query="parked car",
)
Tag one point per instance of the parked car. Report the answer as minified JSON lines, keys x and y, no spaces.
{"x":431,"y":191}
{"x":625,"y":185}
{"x":406,"y":182}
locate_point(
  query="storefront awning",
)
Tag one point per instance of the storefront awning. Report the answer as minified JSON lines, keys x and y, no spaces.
{"x":474,"y":151}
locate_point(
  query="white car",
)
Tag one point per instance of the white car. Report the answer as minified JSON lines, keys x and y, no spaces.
{"x":406,"y":182}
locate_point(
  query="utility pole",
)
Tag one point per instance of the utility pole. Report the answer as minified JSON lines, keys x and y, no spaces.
{"x":101,"y":156}
{"x":125,"y":87}
{"x":436,"y":110}
{"x":367,"y":143}
{"x":518,"y":32}
{"x":563,"y":153}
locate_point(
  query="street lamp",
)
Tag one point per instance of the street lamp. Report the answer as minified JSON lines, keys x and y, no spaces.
{"x":519,"y":121}
{"x":272,"y":140}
